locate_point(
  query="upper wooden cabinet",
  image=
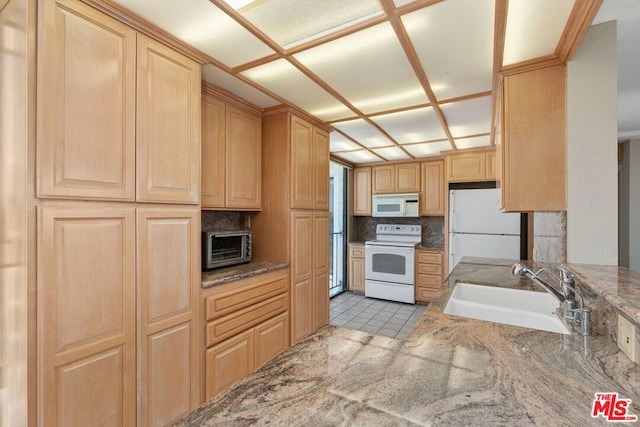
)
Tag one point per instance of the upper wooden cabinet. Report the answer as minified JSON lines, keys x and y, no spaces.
{"x":433,"y":189}
{"x":231,"y":156}
{"x":86,"y":104}
{"x":168,"y":125}
{"x":118,"y":113}
{"x":362,"y":191}
{"x":470,"y":166}
{"x":534,"y":159}
{"x":309,"y":165}
{"x":398,"y":178}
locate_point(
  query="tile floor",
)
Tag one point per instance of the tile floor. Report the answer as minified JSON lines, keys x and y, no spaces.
{"x":391,"y":319}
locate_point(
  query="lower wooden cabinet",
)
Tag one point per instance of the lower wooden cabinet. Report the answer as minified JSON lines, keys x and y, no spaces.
{"x":356,"y":268}
{"x":247,"y":324}
{"x":428,"y":274}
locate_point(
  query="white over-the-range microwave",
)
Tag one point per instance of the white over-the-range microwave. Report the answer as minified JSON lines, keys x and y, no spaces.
{"x":395,"y":205}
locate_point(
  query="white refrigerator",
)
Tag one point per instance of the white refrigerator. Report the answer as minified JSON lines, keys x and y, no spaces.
{"x":477,"y":227}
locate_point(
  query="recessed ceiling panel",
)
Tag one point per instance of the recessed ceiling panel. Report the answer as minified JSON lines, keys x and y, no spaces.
{"x":364,"y":133}
{"x":292,"y":22}
{"x":391,"y":153}
{"x":204,"y":26}
{"x":430,"y":149}
{"x":534,"y":28}
{"x":217,"y":77}
{"x":411,"y":126}
{"x":338,"y":142}
{"x":475,"y":142}
{"x":470,"y":117}
{"x":369,"y":68}
{"x":286,"y":80}
{"x":454,"y":41}
{"x":362,"y":156}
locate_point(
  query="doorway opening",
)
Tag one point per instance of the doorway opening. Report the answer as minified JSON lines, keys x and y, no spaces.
{"x":337,"y":228}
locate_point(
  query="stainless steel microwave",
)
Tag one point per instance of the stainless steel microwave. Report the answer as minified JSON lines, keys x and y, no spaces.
{"x":224,"y":248}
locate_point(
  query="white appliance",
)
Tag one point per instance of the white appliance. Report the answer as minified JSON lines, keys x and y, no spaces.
{"x":390,"y":262}
{"x":393,"y":205}
{"x":478,"y":228}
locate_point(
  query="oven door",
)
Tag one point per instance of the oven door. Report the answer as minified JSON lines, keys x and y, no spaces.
{"x":390,"y":264}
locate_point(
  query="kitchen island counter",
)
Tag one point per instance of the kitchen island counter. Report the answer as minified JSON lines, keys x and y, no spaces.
{"x":450,"y":371}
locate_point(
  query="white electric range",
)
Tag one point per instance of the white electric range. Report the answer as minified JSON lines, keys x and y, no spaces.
{"x":390,"y":262}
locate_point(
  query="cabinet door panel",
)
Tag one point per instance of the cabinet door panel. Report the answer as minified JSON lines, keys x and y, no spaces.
{"x":244,"y":160}
{"x":301,"y":309}
{"x":271,"y":339}
{"x":168,"y":125}
{"x":433,"y":188}
{"x":408,"y":178}
{"x":320,"y":241}
{"x":229,"y":362}
{"x":356,"y":275}
{"x":168,"y":291}
{"x":362,"y":191}
{"x":320,"y":299}
{"x":86,"y":104}
{"x":466,"y":167}
{"x":301,"y":164}
{"x":301,"y":245}
{"x":213,"y":153}
{"x":86,"y":271}
{"x":321,"y":169}
{"x":384,"y":179}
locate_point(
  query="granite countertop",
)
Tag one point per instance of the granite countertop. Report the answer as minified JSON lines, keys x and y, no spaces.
{"x":450,"y":371}
{"x":425,"y":247}
{"x":241,"y":271}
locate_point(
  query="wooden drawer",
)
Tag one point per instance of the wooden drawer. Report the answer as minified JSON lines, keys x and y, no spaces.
{"x":429,"y":281}
{"x":220,"y":329}
{"x":356,"y":251}
{"x":238,"y":295}
{"x":425,"y":257}
{"x":425,"y":294}
{"x":430,"y":269}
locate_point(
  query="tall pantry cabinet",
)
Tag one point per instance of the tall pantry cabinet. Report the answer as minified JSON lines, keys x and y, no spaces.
{"x":294,"y":223}
{"x":118,"y":166}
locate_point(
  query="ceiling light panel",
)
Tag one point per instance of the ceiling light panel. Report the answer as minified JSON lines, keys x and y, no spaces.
{"x":418,"y":125}
{"x":475,"y":142}
{"x":204,"y":26}
{"x":361,"y":131}
{"x":534,"y":28}
{"x":430,"y":149}
{"x":287,"y":81}
{"x":338,"y":142}
{"x":352,"y":66}
{"x":391,"y":153}
{"x":454,"y":41}
{"x":470,"y":117}
{"x":292,"y":22}
{"x":217,"y":77}
{"x":362,"y":156}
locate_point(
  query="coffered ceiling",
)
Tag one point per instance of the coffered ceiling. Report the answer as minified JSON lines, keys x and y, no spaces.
{"x":395,"y":79}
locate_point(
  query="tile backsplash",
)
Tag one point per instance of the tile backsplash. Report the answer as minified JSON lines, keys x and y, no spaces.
{"x":220,"y":220}
{"x":364,"y":228}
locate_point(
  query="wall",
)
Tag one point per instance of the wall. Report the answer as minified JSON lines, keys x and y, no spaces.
{"x":592,"y":177}
{"x":630,"y":206}
{"x":364,"y":228}
{"x":550,"y":237}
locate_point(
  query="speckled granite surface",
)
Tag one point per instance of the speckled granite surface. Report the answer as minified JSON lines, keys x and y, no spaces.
{"x":450,"y":371}
{"x":237,"y":272}
{"x":364,"y":228}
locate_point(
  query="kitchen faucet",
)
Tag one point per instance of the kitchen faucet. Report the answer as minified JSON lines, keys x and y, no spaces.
{"x":566,"y":296}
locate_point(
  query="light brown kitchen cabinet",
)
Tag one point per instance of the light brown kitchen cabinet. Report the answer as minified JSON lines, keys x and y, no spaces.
{"x":433,"y":188}
{"x":86,"y":271}
{"x":398,"y":178}
{"x":86,"y":104}
{"x":309,"y":165}
{"x":429,"y":269}
{"x":470,"y":166}
{"x":534,"y":152}
{"x":356,"y":268}
{"x":246,"y":325}
{"x":362,"y":191}
{"x":168,"y":311}
{"x":295,"y":228}
{"x":492,"y":164}
{"x":231,"y":156}
{"x":167,"y":125}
